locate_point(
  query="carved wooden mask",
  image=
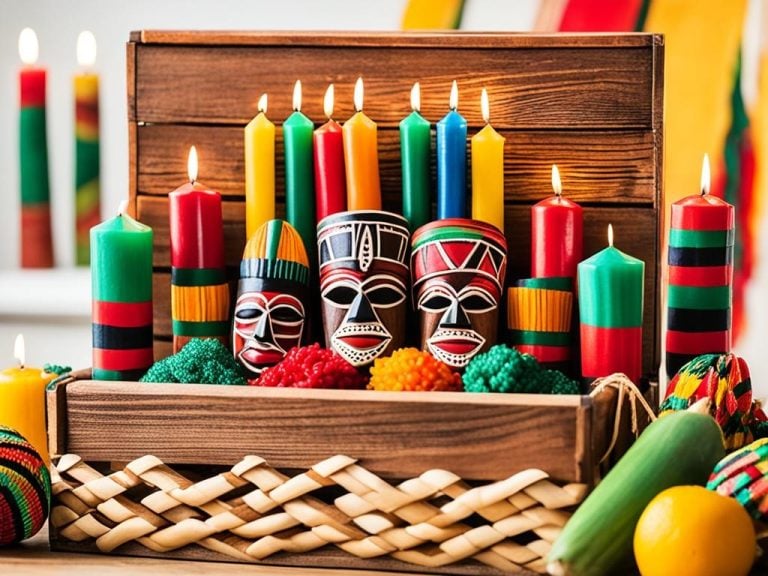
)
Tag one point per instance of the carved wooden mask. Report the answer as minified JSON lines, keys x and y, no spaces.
{"x":363,"y":283}
{"x":273,"y":287}
{"x":458,"y":268}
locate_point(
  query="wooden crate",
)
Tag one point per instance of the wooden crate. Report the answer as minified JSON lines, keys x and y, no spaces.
{"x":592,"y":104}
{"x":199,"y":430}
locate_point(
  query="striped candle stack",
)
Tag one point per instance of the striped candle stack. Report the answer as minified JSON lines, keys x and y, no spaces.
{"x":539,"y":313}
{"x":25,"y":488}
{"x":700,"y":280}
{"x":199,"y":288}
{"x":87,"y":163}
{"x":121,"y":275}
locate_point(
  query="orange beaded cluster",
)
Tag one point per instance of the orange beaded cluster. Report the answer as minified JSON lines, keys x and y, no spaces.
{"x":409,"y":369}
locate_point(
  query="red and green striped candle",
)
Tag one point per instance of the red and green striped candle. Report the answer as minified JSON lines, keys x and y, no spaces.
{"x":36,"y":242}
{"x":700,"y":291}
{"x":199,"y":289}
{"x":121,"y":276}
{"x":87,"y":159}
{"x":611,"y":309}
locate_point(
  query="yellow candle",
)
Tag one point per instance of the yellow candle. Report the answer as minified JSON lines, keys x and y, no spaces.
{"x":259,"y":170}
{"x":22,"y":400}
{"x":361,"y":157}
{"x":488,"y":172}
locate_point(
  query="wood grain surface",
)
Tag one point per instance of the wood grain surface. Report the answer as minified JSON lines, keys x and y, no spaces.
{"x":293,"y":428}
{"x":596,"y":167}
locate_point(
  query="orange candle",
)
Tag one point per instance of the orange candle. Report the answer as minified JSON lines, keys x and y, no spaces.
{"x":22,"y":400}
{"x":362,"y":158}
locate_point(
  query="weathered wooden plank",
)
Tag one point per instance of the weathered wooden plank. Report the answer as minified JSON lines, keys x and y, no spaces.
{"x":492,"y":436}
{"x":596,"y":166}
{"x":414,"y":39}
{"x":538,"y":87}
{"x":635,"y":231}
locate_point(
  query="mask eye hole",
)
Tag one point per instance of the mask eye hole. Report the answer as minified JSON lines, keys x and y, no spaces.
{"x":341,"y":295}
{"x":248,"y":314}
{"x":477,"y":301}
{"x":385,"y":296}
{"x":286,"y":315}
{"x":435,"y":301}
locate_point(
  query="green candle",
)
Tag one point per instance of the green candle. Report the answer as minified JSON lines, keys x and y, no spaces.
{"x":611,"y":309}
{"x":121,"y":276}
{"x":415,"y":154}
{"x":299,"y":173}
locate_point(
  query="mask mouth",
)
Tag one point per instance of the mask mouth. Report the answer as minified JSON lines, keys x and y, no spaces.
{"x":455,"y":347}
{"x":260,"y":355}
{"x":360,"y":344}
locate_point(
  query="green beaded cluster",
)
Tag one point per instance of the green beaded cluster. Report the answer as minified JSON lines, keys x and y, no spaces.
{"x":505,"y":369}
{"x":199,"y":362}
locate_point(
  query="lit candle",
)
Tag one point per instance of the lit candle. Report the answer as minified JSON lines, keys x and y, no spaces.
{"x":452,"y":161}
{"x":330,"y":176}
{"x":22,"y":400}
{"x":121,"y":283}
{"x":415,"y":155}
{"x":488,"y":171}
{"x":259,"y":170}
{"x":36,"y":243}
{"x":361,"y":157}
{"x":556,"y":234}
{"x":199,"y":289}
{"x":699,"y":299}
{"x":611,"y":310}
{"x":87,"y":185}
{"x":299,"y":172}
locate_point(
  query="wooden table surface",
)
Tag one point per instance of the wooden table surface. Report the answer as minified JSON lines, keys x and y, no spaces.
{"x":33,"y":558}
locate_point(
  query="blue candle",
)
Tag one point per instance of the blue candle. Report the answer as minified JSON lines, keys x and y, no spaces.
{"x":452,"y":162}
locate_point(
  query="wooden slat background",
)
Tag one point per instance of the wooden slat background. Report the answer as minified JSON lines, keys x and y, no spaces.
{"x":590,"y":103}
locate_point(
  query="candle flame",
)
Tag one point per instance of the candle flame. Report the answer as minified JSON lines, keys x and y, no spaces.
{"x":122,"y":208}
{"x":328,"y":102}
{"x":18,"y":350}
{"x":416,"y":97}
{"x":557,"y":185}
{"x":297,"y":96}
{"x":705,"y":175}
{"x":610,"y":235}
{"x":192,"y":164}
{"x":453,"y":102}
{"x":262,"y":105}
{"x":359,"y":95}
{"x":29,"y":48}
{"x":485,"y":106}
{"x":86,"y":49}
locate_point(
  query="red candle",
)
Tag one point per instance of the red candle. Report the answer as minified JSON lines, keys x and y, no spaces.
{"x":556,"y":234}
{"x":197,"y":239}
{"x":199,"y":289}
{"x":330,"y":175}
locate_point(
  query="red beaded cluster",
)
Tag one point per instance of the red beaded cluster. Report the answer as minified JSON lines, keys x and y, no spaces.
{"x":312,"y":367}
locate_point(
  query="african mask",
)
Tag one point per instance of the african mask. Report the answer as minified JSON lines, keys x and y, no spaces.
{"x":269,"y":312}
{"x":458,"y":268}
{"x":363,"y":283}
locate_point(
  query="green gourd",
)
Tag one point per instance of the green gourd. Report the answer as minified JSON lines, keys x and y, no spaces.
{"x":678,"y":449}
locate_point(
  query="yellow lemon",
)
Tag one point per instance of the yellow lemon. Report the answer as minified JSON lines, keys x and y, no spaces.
{"x":692,"y":531}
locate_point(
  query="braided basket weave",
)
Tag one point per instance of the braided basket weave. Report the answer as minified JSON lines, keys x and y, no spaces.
{"x":253,"y":512}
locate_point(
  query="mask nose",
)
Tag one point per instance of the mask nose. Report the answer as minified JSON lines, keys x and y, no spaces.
{"x":263,"y":330}
{"x":454,"y":317}
{"x":360,"y":310}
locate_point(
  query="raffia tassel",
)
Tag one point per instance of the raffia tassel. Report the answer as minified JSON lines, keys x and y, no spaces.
{"x":274,"y":513}
{"x":626,"y":388}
